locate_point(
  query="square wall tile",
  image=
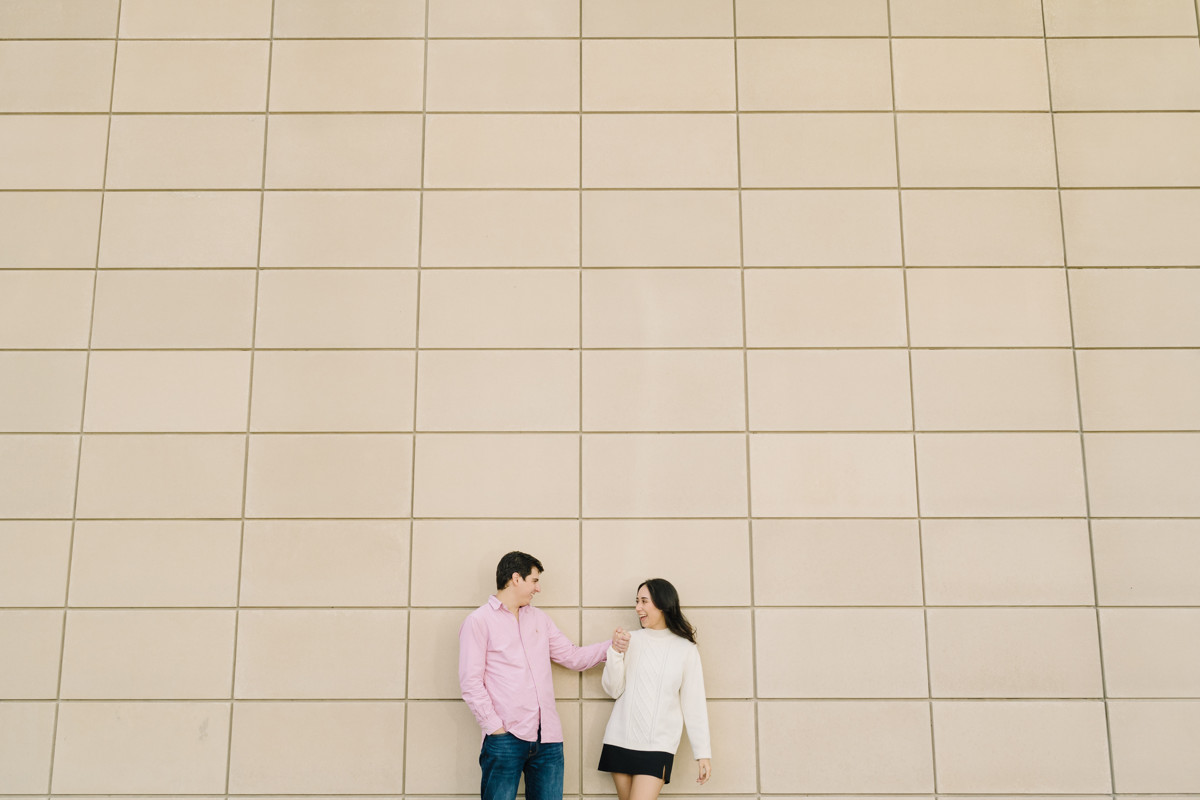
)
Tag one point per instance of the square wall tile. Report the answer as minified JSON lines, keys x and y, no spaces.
{"x":661,"y":18}
{"x":1008,"y":653}
{"x":1147,"y":562}
{"x":966,"y":307}
{"x":141,"y":748}
{"x":500,"y":229}
{"x":660,"y":150}
{"x":41,"y":391}
{"x":663,"y":390}
{"x":174,"y":308}
{"x":53,"y":152}
{"x":33,"y":563}
{"x":437,"y":542}
{"x":59,"y":19}
{"x":434,"y":634}
{"x":664,"y":475}
{"x":859,"y":228}
{"x":825,"y":308}
{"x":1145,"y":149}
{"x":340,"y":229}
{"x":185,"y":152}
{"x":658,"y":75}
{"x":662,"y":308}
{"x":829,"y":390}
{"x":337,"y":308}
{"x":145,"y":654}
{"x":325,"y":748}
{"x":325,"y":563}
{"x":837,"y":562}
{"x":26,"y":744}
{"x":206,"y":76}
{"x":1135,"y":307}
{"x":340,"y":151}
{"x":980,"y":18}
{"x":819,"y":18}
{"x":32,"y":641}
{"x":498,"y":390}
{"x":1124,"y":74}
{"x":1140,"y":389}
{"x":840,"y":652}
{"x":982,"y":228}
{"x":723,"y":636}
{"x":497,"y":475}
{"x":1131,"y":227}
{"x":1021,"y":747}
{"x":1104,"y":18}
{"x":1143,"y":474}
{"x":832,"y":475}
{"x":154,"y":475}
{"x":1154,"y":745}
{"x":814,"y":75}
{"x":160,"y":563}
{"x":167,"y":391}
{"x":321,"y":654}
{"x":1001,"y":475}
{"x":661,"y":229}
{"x":363,"y":390}
{"x":329,"y":475}
{"x":180,"y":229}
{"x":502,"y":75}
{"x":45,"y":309}
{"x":861,"y":747}
{"x":1010,"y":562}
{"x":817,"y":150}
{"x":195,"y":19}
{"x":619,"y":554}
{"x":49,"y":229}
{"x":501,"y":151}
{"x":1024,"y":390}
{"x":303,"y":19}
{"x":37,"y":476}
{"x":507,"y":18}
{"x":992,"y":149}
{"x":56,"y":76}
{"x":500,"y":308}
{"x":944,"y":75}
{"x":334,"y":75}
{"x":1151,"y":652}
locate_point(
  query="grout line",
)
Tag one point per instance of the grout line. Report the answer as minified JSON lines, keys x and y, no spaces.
{"x":262,"y":202}
{"x":580,"y":389}
{"x":559,"y":189}
{"x":412,"y":470}
{"x":565,"y":38}
{"x":1081,"y":428}
{"x":87,"y":363}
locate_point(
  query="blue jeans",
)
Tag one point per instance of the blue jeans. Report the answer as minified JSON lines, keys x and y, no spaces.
{"x":504,"y":757}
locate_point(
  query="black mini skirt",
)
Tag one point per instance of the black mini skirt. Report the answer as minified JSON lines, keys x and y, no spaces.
{"x":636,"y":762}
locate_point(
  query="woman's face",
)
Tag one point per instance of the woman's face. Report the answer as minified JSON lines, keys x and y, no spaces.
{"x":647,"y":612}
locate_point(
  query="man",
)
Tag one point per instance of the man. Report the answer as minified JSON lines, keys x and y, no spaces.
{"x":505,"y":649}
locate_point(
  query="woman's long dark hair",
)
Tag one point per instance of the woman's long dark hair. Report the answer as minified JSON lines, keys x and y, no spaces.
{"x":666,"y":600}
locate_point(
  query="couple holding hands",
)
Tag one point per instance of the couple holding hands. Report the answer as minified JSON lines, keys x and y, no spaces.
{"x":505,"y":649}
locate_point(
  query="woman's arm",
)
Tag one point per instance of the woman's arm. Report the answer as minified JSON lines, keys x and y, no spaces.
{"x":694,"y":705}
{"x":613,"y":679}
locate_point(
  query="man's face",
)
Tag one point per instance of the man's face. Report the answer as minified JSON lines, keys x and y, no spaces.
{"x":526,"y":588}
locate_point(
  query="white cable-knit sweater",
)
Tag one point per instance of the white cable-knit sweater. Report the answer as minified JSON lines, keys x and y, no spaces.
{"x":658,"y":685}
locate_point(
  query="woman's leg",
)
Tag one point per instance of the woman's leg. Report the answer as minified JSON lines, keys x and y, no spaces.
{"x":645,"y":787}
{"x":622,"y":782}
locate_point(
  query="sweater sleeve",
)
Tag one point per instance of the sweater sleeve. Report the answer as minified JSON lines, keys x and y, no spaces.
{"x":613,"y":679}
{"x":694,"y":705}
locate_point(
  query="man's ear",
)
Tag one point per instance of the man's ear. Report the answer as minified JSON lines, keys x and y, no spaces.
{"x":516,"y":578}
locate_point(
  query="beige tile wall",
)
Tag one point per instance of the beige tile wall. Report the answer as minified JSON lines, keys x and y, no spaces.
{"x":874,"y":326}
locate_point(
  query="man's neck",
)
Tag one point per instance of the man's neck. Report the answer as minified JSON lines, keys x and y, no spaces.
{"x":508,"y":600}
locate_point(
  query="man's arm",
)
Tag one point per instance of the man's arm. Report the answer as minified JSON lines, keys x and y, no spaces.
{"x":563,"y":651}
{"x":472,"y":656}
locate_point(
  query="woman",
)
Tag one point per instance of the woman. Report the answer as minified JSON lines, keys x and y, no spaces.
{"x":656,"y":680}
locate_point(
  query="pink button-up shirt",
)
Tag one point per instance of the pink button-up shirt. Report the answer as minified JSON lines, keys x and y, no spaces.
{"x":504,"y":668}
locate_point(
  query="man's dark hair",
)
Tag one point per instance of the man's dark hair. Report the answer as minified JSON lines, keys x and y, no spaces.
{"x":518,"y":562}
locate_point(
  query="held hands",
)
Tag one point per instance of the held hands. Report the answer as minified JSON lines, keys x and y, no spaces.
{"x":620,"y":640}
{"x":705,"y":770}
